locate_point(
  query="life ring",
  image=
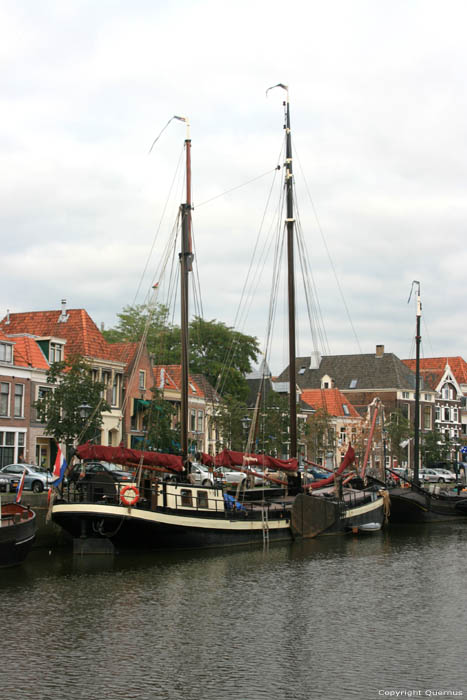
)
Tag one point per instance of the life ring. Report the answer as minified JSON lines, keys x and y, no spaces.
{"x":133,"y":495}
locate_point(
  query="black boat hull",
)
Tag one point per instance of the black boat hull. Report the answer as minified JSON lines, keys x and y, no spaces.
{"x":17,"y":534}
{"x":419,"y":506}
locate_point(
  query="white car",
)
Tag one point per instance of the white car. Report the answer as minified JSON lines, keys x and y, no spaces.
{"x":445,"y":475}
{"x":436,"y":475}
{"x":232,"y":476}
{"x":201,"y":476}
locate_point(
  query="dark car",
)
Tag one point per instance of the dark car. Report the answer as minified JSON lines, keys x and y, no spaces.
{"x":88,"y":469}
{"x":8,"y":482}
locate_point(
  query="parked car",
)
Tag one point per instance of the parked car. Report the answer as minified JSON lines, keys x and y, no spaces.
{"x":201,"y":476}
{"x":445,"y":475}
{"x":8,"y":482}
{"x":37,"y":479}
{"x":436,"y":475}
{"x":232,"y":476}
{"x":88,"y":469}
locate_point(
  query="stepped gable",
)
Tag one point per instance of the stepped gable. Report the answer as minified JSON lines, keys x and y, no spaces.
{"x":371,"y":372}
{"x":331,"y":400}
{"x":432,"y":369}
{"x":79,"y":330}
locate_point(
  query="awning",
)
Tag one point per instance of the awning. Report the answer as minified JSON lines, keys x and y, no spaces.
{"x":141,"y":404}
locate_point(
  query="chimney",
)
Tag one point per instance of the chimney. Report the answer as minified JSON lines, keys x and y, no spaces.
{"x":7,"y":320}
{"x":162,"y":380}
{"x":102,"y":326}
{"x":379,"y":350}
{"x":63,"y":318}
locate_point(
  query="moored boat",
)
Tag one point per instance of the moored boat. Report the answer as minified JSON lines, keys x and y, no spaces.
{"x":156,"y":512}
{"x":17,"y":533}
{"x":417,"y":504}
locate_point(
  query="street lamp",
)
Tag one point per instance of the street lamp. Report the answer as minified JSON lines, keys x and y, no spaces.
{"x":84,"y":410}
{"x":246,"y":421}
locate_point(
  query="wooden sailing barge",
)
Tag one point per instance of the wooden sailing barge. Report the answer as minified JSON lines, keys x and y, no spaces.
{"x":172,"y":512}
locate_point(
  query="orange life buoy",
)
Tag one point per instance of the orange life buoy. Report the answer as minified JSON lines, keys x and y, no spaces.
{"x":133,"y":495}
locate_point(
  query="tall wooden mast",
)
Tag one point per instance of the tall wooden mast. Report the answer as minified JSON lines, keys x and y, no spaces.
{"x":186,"y":260}
{"x":418,"y":338}
{"x":290,"y":221}
{"x":290,"y":224}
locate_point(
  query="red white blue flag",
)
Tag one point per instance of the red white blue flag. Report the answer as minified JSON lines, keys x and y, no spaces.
{"x":59,"y":468}
{"x":19,"y":489}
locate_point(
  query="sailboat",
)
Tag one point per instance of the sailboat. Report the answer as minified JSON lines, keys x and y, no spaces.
{"x":17,"y":532}
{"x":417,"y":504}
{"x":155,"y":512}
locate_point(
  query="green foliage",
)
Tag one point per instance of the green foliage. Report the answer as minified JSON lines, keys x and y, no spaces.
{"x":434,"y":447}
{"x":321,"y":438}
{"x":161,"y":435}
{"x":399,"y":430}
{"x":273,"y":433}
{"x":59,"y":408}
{"x":216,"y":350}
{"x":228,"y":423}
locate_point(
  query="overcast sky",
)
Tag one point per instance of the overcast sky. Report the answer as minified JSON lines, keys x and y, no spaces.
{"x":379,"y":121}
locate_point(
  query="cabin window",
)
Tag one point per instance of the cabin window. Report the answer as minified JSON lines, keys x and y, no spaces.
{"x":437,"y":413}
{"x":353,"y":384}
{"x":346,"y":409}
{"x":202,"y":499}
{"x":405,"y":395}
{"x":200,"y":421}
{"x":142,"y":379}
{"x":446,"y":417}
{"x":187,"y":497}
{"x":193,"y":420}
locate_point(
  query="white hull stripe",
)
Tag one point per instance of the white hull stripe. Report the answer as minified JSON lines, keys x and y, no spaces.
{"x":367,"y":508}
{"x":168,"y":519}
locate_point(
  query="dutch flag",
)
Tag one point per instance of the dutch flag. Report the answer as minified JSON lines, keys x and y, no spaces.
{"x":19,"y":489}
{"x":59,"y":468}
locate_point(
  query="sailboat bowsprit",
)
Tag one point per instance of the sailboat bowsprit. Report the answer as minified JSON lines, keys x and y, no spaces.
{"x":173,"y":512}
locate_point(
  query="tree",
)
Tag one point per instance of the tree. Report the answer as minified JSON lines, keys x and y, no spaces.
{"x":399,"y":431}
{"x":60,"y":408}
{"x":161,"y":435}
{"x":217,"y":351}
{"x":321,"y":437}
{"x":228,"y":423}
{"x":273,"y":433}
{"x":435,"y":447}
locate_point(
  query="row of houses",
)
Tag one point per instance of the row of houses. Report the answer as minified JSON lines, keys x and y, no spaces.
{"x":349,"y":386}
{"x":31,"y":341}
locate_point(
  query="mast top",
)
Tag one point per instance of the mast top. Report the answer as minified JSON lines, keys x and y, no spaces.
{"x":187,"y":122}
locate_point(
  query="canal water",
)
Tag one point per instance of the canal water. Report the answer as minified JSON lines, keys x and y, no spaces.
{"x":334,"y":618}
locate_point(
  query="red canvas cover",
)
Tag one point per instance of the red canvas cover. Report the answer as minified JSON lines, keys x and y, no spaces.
{"x":125,"y":456}
{"x":346,"y":462}
{"x":230,"y":458}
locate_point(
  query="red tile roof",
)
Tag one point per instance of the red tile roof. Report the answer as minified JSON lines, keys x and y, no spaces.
{"x":173,"y":380}
{"x":432,"y":368}
{"x":79,"y":330}
{"x":27,"y":353}
{"x":331,"y":400}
